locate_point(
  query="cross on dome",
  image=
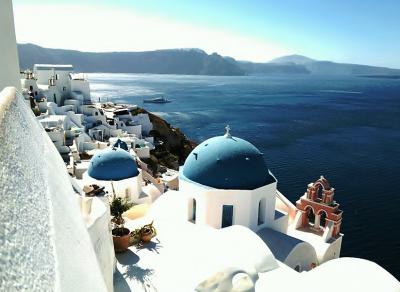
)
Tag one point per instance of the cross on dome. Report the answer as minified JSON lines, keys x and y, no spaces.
{"x":227,"y":133}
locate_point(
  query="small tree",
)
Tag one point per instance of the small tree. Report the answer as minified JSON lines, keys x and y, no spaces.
{"x":117,"y":207}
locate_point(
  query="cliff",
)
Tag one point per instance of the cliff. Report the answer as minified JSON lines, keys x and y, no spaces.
{"x":175,"y":146}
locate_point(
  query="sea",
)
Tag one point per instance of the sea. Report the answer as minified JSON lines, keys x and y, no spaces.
{"x":346,"y":128}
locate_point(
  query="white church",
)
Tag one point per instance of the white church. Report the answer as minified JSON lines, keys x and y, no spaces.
{"x":225,"y":181}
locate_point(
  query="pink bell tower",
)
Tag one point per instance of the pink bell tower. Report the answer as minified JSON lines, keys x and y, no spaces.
{"x":319,"y":211}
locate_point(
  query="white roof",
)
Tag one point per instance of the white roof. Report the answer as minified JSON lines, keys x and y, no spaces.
{"x":53,"y":118}
{"x":184,"y":254}
{"x":53,"y":66}
{"x":342,"y":274}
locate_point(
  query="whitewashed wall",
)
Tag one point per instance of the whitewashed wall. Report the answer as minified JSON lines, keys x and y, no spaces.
{"x":45,"y":244}
{"x":144,"y":120}
{"x":210,"y":201}
{"x":302,"y":255}
{"x":81,"y":86}
{"x":129,"y":188}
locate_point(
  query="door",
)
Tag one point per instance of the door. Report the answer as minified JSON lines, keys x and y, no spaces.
{"x":227,"y":216}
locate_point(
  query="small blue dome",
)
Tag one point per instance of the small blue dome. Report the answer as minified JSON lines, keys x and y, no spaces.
{"x":226,"y":162}
{"x":121,"y":144}
{"x":112,"y":164}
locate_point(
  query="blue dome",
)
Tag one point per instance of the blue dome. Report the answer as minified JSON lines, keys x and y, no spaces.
{"x":112,"y":164}
{"x":226,"y":162}
{"x":121,"y":144}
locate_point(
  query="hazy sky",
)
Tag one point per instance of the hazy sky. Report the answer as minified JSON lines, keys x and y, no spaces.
{"x":357,"y":31}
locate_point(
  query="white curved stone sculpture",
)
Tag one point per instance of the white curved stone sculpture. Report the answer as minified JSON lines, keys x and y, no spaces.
{"x":229,"y":280}
{"x":44,"y":245}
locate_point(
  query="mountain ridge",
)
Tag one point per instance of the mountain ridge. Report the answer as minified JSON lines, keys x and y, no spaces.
{"x":190,"y":61}
{"x":296,"y":59}
{"x":169,"y":61}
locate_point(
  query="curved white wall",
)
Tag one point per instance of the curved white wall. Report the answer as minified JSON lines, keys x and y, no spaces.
{"x":302,"y":255}
{"x":351,"y":274}
{"x":44,"y":243}
{"x":98,"y":222}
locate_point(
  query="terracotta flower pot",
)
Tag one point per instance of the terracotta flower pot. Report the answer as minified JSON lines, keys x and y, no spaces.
{"x":121,"y":239}
{"x":147,"y":234}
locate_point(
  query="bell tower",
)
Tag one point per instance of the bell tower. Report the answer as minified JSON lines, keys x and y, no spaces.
{"x":319,"y":212}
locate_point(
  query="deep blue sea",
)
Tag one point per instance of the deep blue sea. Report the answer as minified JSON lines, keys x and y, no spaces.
{"x":345,"y":128}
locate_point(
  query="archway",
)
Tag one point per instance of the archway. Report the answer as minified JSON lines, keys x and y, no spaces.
{"x":320,"y":186}
{"x":322,"y":218}
{"x":320,"y":191}
{"x":310,"y":215}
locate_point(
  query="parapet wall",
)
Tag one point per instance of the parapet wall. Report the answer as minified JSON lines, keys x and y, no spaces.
{"x":44,"y":243}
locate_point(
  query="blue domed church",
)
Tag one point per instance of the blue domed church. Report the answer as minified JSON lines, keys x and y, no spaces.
{"x":225,"y":181}
{"x":116,"y":169}
{"x":113,"y":164}
{"x":228,"y":183}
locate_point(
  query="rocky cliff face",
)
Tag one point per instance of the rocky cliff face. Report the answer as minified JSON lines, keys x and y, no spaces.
{"x":175,"y":145}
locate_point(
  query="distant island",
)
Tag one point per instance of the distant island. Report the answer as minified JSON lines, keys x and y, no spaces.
{"x":382,"y":76}
{"x":188,"y":62}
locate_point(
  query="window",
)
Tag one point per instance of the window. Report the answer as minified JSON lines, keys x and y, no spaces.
{"x":128,"y":194}
{"x":96,"y":113}
{"x":64,"y":88}
{"x":31,"y":88}
{"x":55,"y":98}
{"x":192,"y":210}
{"x":261,"y":211}
{"x":227,"y":216}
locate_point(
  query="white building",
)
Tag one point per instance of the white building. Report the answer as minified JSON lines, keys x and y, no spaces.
{"x":226,"y":182}
{"x":55,"y":75}
{"x":230,"y":184}
{"x":80,"y":86}
{"x":116,"y":169}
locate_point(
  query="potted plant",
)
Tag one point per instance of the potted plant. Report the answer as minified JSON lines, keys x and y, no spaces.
{"x":120,"y":234}
{"x":147,"y":232}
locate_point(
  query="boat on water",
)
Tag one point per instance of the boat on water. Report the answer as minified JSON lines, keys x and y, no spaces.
{"x":157,"y":100}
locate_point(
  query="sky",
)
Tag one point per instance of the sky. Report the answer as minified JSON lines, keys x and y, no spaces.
{"x":351,"y":31}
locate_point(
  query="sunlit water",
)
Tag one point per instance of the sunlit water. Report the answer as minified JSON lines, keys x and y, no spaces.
{"x":346,"y":128}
